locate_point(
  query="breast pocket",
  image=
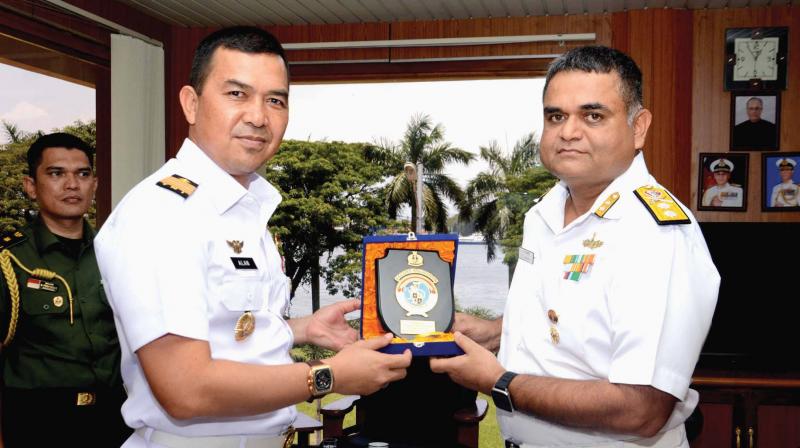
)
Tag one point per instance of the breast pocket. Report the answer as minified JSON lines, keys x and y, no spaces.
{"x":242,"y":293}
{"x":38,"y":303}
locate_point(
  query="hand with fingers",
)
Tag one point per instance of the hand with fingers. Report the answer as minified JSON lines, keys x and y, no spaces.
{"x":362,"y":370}
{"x":328,"y":327}
{"x":477,"y":369}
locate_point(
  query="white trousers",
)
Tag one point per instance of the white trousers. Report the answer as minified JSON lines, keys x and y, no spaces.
{"x":674,"y":438}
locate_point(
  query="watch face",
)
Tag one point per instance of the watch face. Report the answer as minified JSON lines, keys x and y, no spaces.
{"x":323,"y":380}
{"x":502,"y":400}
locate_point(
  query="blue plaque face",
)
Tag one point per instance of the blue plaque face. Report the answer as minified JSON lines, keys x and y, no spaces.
{"x":414,"y":293}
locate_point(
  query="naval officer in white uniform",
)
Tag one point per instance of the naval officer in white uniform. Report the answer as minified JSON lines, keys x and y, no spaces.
{"x":614,"y":289}
{"x":786,"y":193}
{"x":724,"y":193}
{"x":195,"y":280}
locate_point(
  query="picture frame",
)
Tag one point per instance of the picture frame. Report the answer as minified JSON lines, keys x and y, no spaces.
{"x":780,"y":178}
{"x":756,"y":58}
{"x":755,"y":121}
{"x":722,"y":181}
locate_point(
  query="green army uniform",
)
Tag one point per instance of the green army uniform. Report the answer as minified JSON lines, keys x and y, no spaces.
{"x":61,"y":380}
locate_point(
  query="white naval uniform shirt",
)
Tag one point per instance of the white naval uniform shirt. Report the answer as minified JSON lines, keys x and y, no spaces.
{"x":730,"y":195}
{"x":167,"y":268}
{"x":639,"y":316}
{"x":785,"y":194}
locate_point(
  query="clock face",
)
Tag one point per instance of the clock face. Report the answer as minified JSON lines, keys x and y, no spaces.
{"x":756,"y":59}
{"x":323,"y":380}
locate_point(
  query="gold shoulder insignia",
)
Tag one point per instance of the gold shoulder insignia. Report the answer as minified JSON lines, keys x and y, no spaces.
{"x":178,"y":185}
{"x":607,"y":204}
{"x":664,"y":209}
{"x":11,"y":238}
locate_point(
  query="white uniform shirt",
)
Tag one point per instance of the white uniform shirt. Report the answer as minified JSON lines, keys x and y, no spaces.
{"x":730,"y":195}
{"x":785,"y":194}
{"x":167,"y":267}
{"x":638,"y":316}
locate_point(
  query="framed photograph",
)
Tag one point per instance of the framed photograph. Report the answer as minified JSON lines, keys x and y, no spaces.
{"x":756,"y":58}
{"x":780,"y":191}
{"x":722,"y":184}
{"x":755,"y":121}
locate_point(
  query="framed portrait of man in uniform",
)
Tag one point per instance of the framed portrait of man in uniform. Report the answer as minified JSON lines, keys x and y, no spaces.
{"x":755,"y":121}
{"x":722,"y":183}
{"x":781,"y":182}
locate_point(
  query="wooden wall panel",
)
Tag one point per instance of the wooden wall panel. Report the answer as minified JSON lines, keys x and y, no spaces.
{"x":711,"y":104}
{"x":659,"y":40}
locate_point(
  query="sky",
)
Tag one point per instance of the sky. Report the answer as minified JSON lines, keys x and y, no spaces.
{"x":473,"y":112}
{"x":37,"y":102}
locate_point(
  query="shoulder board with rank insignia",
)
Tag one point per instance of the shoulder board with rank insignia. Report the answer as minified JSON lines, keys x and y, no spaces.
{"x":664,"y":209}
{"x":11,"y":238}
{"x":178,"y":184}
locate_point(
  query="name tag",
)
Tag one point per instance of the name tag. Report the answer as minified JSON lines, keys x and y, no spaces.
{"x":525,"y":255}
{"x":243,"y":263}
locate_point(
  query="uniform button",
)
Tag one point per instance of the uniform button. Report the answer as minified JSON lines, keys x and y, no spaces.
{"x":45,"y":307}
{"x":553,"y":316}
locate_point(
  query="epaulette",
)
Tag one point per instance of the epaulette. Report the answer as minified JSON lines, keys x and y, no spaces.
{"x":11,"y":238}
{"x":735,"y":185}
{"x":178,"y":184}
{"x":664,"y":209}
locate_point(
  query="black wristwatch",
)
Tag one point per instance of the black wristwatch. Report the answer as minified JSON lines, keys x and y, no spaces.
{"x":500,"y":394}
{"x":320,"y":379}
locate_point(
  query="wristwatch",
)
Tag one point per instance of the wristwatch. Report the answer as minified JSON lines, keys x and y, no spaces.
{"x":320,"y":379}
{"x":500,"y":394}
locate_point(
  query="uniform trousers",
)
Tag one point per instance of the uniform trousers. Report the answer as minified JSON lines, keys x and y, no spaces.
{"x":51,"y":417}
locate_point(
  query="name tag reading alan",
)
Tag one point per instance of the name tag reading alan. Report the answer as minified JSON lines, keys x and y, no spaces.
{"x":243,"y":263}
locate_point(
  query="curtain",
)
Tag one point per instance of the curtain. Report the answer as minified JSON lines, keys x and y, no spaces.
{"x":137,"y":113}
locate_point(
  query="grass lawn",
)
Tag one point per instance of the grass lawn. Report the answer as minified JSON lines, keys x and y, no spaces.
{"x":489,"y":431}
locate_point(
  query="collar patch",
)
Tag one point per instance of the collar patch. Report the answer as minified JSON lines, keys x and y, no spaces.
{"x":607,"y":204}
{"x":179,"y":185}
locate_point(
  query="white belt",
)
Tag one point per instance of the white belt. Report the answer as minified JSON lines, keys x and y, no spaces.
{"x":175,"y":441}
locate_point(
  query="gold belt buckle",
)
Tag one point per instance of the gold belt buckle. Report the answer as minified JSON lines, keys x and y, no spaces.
{"x":290,"y":431}
{"x":85,"y":399}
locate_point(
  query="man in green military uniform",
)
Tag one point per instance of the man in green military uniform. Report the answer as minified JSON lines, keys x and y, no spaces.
{"x":60,"y":354}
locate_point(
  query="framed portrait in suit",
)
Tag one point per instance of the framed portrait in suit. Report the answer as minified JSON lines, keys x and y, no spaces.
{"x":755,"y":121}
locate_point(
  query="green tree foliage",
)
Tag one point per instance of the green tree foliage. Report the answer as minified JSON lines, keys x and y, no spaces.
{"x":497,"y":199}
{"x":524,"y":191}
{"x":422,"y":143}
{"x":15,"y":207}
{"x":330,"y":200}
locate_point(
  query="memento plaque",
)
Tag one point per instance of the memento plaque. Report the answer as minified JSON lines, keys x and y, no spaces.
{"x":408,"y":291}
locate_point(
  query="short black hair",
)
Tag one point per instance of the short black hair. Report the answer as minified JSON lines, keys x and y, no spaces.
{"x":56,"y":140}
{"x":247,"y":39}
{"x":600,"y":59}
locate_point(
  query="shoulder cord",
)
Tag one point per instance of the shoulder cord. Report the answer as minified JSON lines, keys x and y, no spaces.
{"x":13,"y":288}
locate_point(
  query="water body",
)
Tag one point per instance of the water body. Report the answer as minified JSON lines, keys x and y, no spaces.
{"x":477,"y":283}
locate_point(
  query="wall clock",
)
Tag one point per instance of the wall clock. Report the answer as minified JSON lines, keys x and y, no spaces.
{"x":756,"y":58}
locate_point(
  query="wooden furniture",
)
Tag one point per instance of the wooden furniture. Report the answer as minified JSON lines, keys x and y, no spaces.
{"x":467,"y":420}
{"x":748,"y":409}
{"x":305,"y":425}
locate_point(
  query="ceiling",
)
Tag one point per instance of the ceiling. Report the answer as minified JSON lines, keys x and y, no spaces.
{"x":214,"y":13}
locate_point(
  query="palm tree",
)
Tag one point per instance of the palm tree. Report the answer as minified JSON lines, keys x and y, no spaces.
{"x":422,"y":143}
{"x":13,"y":132}
{"x":485,"y":196}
